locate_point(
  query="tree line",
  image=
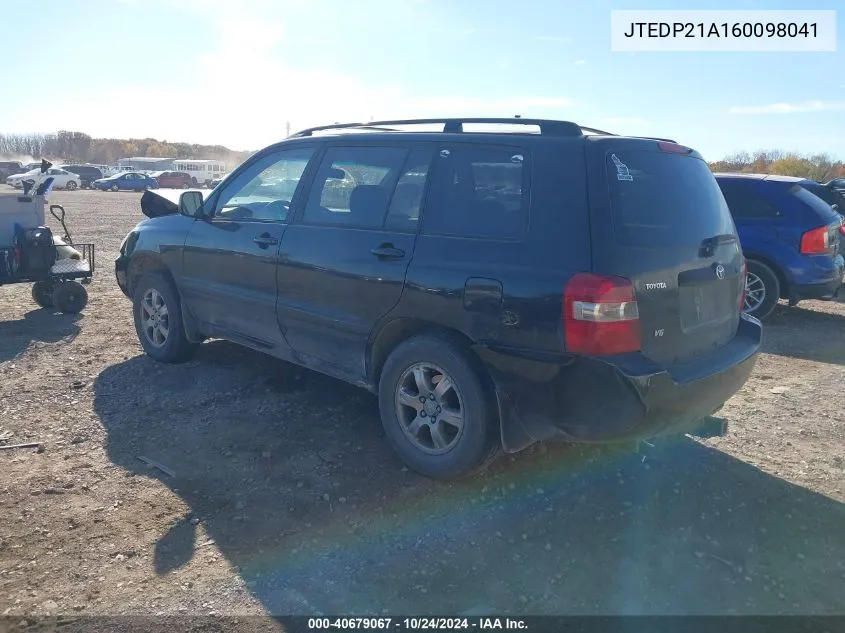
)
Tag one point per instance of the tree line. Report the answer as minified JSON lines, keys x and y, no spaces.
{"x":69,"y":146}
{"x":819,"y":167}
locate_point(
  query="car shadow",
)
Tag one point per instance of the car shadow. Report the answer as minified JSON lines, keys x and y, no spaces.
{"x":289,"y":473}
{"x":42,"y":325}
{"x":804,"y":333}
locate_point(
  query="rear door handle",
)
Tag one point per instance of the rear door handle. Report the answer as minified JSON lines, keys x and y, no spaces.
{"x":265,"y":239}
{"x":388,"y":251}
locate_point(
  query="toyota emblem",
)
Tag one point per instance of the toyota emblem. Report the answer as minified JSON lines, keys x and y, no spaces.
{"x":720,"y":272}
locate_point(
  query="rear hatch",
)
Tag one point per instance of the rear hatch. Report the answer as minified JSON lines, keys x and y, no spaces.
{"x":658,"y":219}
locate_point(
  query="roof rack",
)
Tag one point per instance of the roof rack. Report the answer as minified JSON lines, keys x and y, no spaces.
{"x":547,"y":127}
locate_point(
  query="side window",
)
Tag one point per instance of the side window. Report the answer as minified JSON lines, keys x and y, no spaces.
{"x":404,"y":212}
{"x":263,"y":193}
{"x":353,"y":186}
{"x":745,"y":203}
{"x":479,"y":192}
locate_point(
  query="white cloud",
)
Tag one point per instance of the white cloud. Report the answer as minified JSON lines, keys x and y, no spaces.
{"x":790,"y":108}
{"x":580,"y":62}
{"x":470,"y":31}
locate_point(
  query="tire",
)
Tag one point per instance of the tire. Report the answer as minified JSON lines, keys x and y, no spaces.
{"x":71,"y":185}
{"x":168,"y":345}
{"x":454,"y":453}
{"x":762,"y":290}
{"x":115,"y":188}
{"x":42,"y":293}
{"x":70,"y":297}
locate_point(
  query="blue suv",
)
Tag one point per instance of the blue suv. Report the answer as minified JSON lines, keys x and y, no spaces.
{"x":790,"y":238}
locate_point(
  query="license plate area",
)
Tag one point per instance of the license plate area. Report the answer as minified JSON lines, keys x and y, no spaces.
{"x":702,"y":304}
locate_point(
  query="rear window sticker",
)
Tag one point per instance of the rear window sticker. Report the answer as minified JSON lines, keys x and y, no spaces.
{"x":621,"y":169}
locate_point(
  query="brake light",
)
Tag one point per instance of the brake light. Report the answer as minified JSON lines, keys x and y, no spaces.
{"x":743,"y":281}
{"x":815,"y":242}
{"x":675,"y":148}
{"x":600,"y":315}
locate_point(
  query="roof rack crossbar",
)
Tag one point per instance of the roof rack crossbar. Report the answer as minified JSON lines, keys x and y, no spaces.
{"x":547,"y":127}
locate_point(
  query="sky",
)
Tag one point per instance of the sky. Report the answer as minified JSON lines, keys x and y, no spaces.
{"x":236,"y":73}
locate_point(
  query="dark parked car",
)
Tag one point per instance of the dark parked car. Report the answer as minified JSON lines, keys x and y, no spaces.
{"x":10,"y":168}
{"x":87,"y":173}
{"x":837,"y":184}
{"x":173,"y":179}
{"x":126,"y":181}
{"x":790,"y":237}
{"x":494,"y":289}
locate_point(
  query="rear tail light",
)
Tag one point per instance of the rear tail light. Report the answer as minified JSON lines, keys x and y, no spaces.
{"x":743,"y":281}
{"x":815,"y":242}
{"x":600,"y":315}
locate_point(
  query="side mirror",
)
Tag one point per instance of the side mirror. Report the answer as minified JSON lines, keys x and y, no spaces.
{"x":336,"y":174}
{"x":190,"y":204}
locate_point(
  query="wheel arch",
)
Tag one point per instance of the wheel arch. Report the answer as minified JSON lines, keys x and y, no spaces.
{"x":766,"y":261}
{"x":389,"y":335}
{"x":146,"y":262}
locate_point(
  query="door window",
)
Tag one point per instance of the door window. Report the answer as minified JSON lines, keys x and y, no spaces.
{"x":353,"y":186}
{"x":745,"y":203}
{"x":264,"y":191}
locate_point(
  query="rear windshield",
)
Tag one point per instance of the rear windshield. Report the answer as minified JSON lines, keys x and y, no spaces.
{"x":830,"y":197}
{"x":824,"y":210}
{"x":661,"y":198}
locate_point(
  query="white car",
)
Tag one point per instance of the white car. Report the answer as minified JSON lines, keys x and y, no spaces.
{"x":62,"y":179}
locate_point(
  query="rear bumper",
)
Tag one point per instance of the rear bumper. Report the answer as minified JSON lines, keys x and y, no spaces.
{"x":619,"y":399}
{"x":822,"y":290}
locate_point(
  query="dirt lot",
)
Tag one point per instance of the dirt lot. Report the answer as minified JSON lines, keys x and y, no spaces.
{"x":286,"y":499}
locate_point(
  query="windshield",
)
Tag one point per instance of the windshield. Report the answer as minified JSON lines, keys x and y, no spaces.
{"x":661,"y":198}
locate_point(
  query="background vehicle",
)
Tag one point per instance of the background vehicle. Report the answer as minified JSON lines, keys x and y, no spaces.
{"x":218,"y":179}
{"x":130,"y":181}
{"x":517,"y":300}
{"x":173,"y":179}
{"x":202,"y":172}
{"x":10,"y":168}
{"x":790,"y":238}
{"x":87,"y":173}
{"x":61,"y":179}
{"x":837,"y":184}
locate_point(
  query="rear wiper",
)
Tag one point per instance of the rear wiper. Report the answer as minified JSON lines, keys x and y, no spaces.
{"x":709,"y":244}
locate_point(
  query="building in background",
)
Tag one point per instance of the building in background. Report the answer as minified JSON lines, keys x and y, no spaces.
{"x":146,"y":163}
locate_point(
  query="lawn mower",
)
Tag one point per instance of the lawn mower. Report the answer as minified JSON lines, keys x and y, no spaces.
{"x":58,"y":268}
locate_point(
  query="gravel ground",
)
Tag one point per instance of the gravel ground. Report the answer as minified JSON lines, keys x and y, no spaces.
{"x":284,"y":497}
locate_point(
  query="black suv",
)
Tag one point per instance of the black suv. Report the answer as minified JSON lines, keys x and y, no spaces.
{"x":87,"y":173}
{"x":494,"y":288}
{"x":10,"y":168}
